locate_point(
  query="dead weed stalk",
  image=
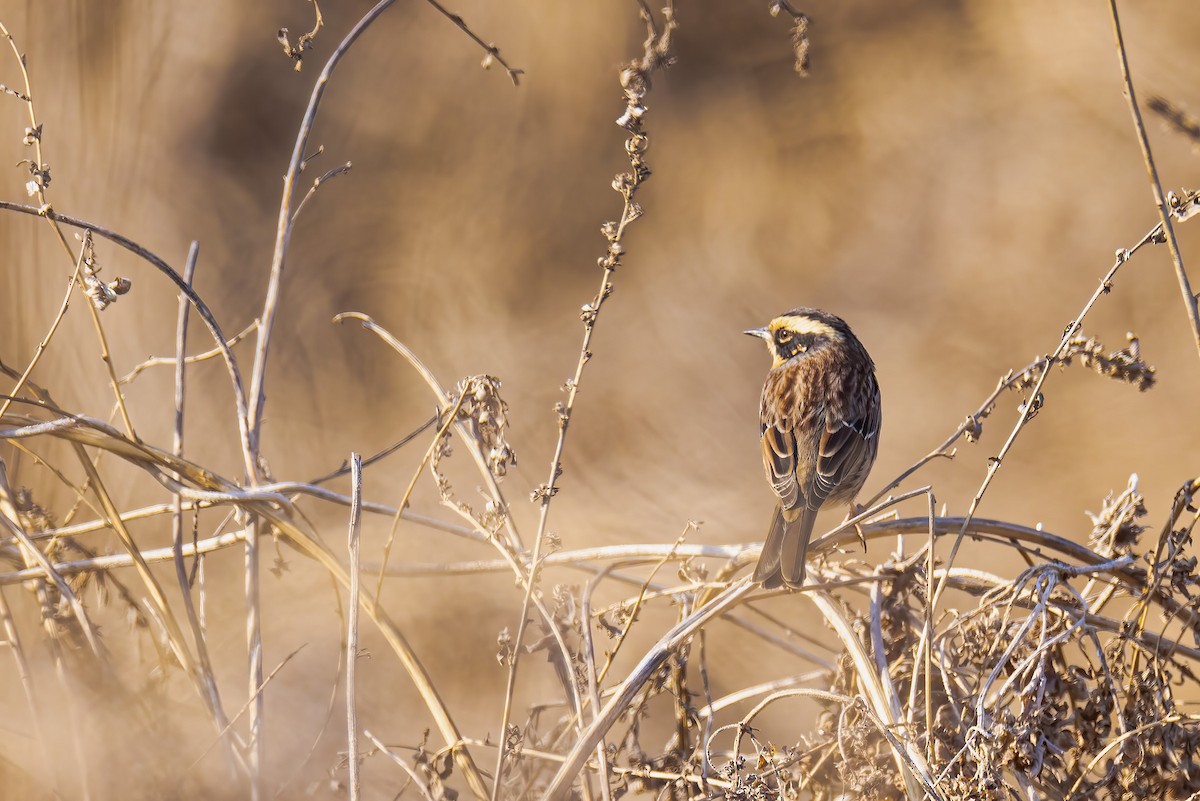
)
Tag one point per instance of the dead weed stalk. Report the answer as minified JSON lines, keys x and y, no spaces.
{"x":930,"y":678}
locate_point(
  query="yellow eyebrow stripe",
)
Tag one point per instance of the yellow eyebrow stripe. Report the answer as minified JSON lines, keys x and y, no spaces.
{"x":801,"y":325}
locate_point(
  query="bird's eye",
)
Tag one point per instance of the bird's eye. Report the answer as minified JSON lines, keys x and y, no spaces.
{"x":784,"y":336}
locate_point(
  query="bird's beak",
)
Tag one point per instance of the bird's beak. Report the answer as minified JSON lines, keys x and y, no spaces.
{"x":761,"y":333}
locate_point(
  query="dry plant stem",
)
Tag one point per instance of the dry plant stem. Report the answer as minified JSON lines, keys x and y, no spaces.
{"x":157,"y":597}
{"x":766,"y":688}
{"x":254,"y":656}
{"x":1011,"y":379}
{"x":341,"y":169}
{"x":637,"y":605}
{"x":493,"y":52}
{"x":206,"y":500}
{"x":283,"y":230}
{"x":12,"y":639}
{"x":31,"y":553}
{"x":881,"y":663}
{"x":632,"y":554}
{"x":387,"y":547}
{"x":197,"y":302}
{"x":442,"y":398}
{"x":593,"y":697}
{"x":171,"y":361}
{"x":1118,"y":741}
{"x":702,"y":746}
{"x":181,"y":574}
{"x":412,"y":774}
{"x":96,"y":434}
{"x":635,"y":81}
{"x":121,"y":560}
{"x":1029,"y":409}
{"x":28,"y":100}
{"x":277,"y":511}
{"x":62,"y":311}
{"x":927,"y":634}
{"x":352,"y":624}
{"x":44,"y":211}
{"x":1164,"y":215}
{"x":871,"y":681}
{"x":106,"y":357}
{"x":249,"y":702}
{"x":378,"y":455}
{"x":514,"y":538}
{"x":560,"y":785}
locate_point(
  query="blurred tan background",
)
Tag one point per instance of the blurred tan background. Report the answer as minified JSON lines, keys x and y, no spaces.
{"x":952,"y":179}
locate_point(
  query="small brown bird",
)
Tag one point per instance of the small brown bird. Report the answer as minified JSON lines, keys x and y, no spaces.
{"x":820,"y":418}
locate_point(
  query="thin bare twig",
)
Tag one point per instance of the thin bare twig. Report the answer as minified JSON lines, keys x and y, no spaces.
{"x":475,"y":448}
{"x":12,"y":639}
{"x":117,"y":561}
{"x":649,"y":664}
{"x":203,"y":660}
{"x":304,"y":42}
{"x":412,"y":484}
{"x":283,"y":231}
{"x":10,"y":520}
{"x":254,"y":656}
{"x":378,"y":455}
{"x":62,"y":311}
{"x":249,"y":702}
{"x":275,"y":509}
{"x":210,"y":321}
{"x":1177,"y":117}
{"x":492,"y":52}
{"x":171,"y":361}
{"x":1160,"y":200}
{"x":1033,"y":406}
{"x":341,"y":169}
{"x":633,"y":613}
{"x":635,"y":80}
{"x":352,"y":626}
{"x":412,"y":774}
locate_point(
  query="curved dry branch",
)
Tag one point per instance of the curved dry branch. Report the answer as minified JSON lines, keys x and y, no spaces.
{"x":277,"y":510}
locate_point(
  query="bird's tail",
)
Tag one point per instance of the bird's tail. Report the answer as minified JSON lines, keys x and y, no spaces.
{"x":782,"y":560}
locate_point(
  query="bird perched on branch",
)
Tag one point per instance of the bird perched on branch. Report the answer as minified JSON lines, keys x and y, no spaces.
{"x":820,"y":418}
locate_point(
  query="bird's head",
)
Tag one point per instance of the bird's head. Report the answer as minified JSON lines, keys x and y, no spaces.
{"x":800,"y":332}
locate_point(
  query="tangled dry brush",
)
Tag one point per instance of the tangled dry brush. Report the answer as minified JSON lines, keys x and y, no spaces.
{"x":932,"y":677}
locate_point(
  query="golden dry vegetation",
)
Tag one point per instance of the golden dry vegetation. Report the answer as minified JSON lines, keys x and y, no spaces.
{"x":953,"y":179}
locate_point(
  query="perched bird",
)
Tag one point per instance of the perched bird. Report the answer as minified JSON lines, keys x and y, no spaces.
{"x":820,"y":418}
